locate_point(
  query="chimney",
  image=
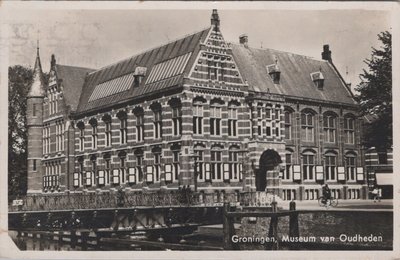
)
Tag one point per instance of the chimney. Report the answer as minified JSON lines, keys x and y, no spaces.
{"x":244,"y":40}
{"x":215,"y":20}
{"x":327,"y":54}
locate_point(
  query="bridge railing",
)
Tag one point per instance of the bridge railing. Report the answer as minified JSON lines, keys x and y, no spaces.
{"x":120,"y":199}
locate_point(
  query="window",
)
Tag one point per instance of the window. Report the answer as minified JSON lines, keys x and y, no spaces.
{"x":34,"y":110}
{"x":81,"y":171}
{"x":157,"y":124}
{"x":177,"y":120}
{"x":93,"y":123}
{"x":176,"y":165}
{"x":311,"y":194}
{"x":140,"y":127}
{"x":34,"y":165}
{"x":216,"y":164}
{"x":123,"y":127}
{"x":139,"y":167}
{"x":288,"y":125}
{"x":350,"y":167}
{"x":289,"y":194}
{"x":122,"y":169}
{"x":382,"y":157}
{"x":259,"y":120}
{"x":107,"y":132}
{"x":308,"y":166}
{"x":107,"y":170}
{"x":199,"y":151}
{"x":349,"y":130}
{"x":330,"y":167}
{"x":215,"y":119}
{"x":157,"y":166}
{"x":307,"y":127}
{"x":197,"y":118}
{"x":212,"y":70}
{"x":287,"y":175}
{"x":233,"y":159}
{"x":81,"y":127}
{"x":93,"y":172}
{"x":329,"y":128}
{"x":232,"y":121}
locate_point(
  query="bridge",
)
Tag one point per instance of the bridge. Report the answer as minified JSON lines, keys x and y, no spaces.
{"x":121,"y":211}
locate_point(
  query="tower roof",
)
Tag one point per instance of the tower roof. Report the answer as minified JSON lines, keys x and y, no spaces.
{"x":37,"y":87}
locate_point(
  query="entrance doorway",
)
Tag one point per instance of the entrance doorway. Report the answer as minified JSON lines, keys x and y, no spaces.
{"x":268,"y":161}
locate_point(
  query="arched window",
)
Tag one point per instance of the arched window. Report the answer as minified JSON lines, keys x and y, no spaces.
{"x":308,"y":165}
{"x":330,"y":166}
{"x":216,"y":117}
{"x":122,"y":166}
{"x":287,"y":174}
{"x":198,"y":115}
{"x":233,"y":118}
{"x":139,"y":113}
{"x":93,"y":123}
{"x":176,"y":106}
{"x":307,"y":126}
{"x":139,"y":164}
{"x":329,"y":125}
{"x":107,"y":131}
{"x":176,"y":150}
{"x":107,"y":168}
{"x":349,"y":127}
{"x":350,"y":159}
{"x":233,"y":160}
{"x":216,"y":163}
{"x":199,"y":151}
{"x":157,"y":120}
{"x":123,"y":127}
{"x":288,"y":124}
{"x":157,"y":163}
{"x":81,"y":127}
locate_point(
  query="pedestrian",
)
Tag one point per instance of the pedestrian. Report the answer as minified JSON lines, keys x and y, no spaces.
{"x":376,"y":194}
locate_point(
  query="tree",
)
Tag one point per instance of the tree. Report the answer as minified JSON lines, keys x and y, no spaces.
{"x":375,"y":95}
{"x":19,"y":81}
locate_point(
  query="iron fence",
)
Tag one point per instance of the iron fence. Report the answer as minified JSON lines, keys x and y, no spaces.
{"x":121,"y":199}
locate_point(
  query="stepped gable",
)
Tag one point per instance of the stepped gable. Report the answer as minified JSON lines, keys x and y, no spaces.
{"x":73,"y":79}
{"x":162,"y":67}
{"x":295,"y":76}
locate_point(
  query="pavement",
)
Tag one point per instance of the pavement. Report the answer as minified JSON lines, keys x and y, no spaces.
{"x":357,"y":205}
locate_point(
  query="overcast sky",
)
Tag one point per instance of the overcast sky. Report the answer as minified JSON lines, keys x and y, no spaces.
{"x":96,"y":38}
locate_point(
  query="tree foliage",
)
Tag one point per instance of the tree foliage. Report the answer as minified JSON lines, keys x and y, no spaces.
{"x":19,"y":81}
{"x":375,"y":95}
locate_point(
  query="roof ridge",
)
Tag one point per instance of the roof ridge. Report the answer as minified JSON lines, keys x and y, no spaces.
{"x":151,"y":49}
{"x":78,"y":67}
{"x":308,"y":57}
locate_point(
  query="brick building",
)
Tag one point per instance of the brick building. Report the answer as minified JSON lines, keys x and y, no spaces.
{"x":198,"y":111}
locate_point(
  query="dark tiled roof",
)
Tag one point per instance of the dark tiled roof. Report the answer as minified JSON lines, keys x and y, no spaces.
{"x":73,"y":79}
{"x":295,"y":78}
{"x":149,"y":59}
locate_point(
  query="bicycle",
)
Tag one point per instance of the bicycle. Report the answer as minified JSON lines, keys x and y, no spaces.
{"x":327,"y":202}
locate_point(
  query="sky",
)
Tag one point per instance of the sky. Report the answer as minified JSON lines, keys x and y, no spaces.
{"x":97,"y":38}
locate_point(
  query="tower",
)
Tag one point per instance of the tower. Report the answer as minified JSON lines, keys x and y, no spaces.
{"x":34,"y":116}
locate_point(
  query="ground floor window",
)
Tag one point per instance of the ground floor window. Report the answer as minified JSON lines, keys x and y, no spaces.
{"x":289,"y":194}
{"x":311,"y":194}
{"x":353,"y":194}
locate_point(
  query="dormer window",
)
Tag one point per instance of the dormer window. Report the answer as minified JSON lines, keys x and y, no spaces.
{"x":274,"y":72}
{"x":139,"y":74}
{"x":318,"y":79}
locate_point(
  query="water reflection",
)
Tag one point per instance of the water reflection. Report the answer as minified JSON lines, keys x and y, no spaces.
{"x":38,"y":244}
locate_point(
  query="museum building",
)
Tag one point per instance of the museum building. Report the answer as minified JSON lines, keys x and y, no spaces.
{"x":201,"y":112}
